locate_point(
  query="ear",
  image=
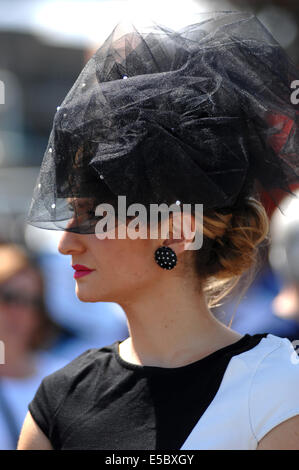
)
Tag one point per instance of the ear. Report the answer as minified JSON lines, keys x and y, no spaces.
{"x":181,"y":234}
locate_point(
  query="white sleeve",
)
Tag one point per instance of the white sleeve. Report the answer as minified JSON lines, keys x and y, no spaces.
{"x":274,"y":393}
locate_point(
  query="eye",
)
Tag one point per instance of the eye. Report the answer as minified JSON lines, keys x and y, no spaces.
{"x":90,"y":214}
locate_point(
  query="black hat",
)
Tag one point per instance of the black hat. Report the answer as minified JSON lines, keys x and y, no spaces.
{"x":200,"y":114}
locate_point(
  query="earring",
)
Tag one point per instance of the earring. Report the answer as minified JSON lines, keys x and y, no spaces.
{"x":165,"y":257}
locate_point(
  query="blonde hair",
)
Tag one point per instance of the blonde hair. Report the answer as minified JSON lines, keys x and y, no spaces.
{"x":230,"y":250}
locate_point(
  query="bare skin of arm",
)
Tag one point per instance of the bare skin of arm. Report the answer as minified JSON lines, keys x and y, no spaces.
{"x":285,"y":436}
{"x":32,"y":437}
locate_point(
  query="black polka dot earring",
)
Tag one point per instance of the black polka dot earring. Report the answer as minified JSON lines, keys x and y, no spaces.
{"x":165,"y":257}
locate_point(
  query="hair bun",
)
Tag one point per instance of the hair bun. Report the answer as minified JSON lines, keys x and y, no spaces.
{"x":230,"y":244}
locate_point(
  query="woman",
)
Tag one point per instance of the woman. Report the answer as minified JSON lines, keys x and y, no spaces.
{"x":200,"y":115}
{"x":26,"y":330}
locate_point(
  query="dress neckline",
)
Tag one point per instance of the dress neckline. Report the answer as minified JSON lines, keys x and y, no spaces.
{"x":170,"y":370}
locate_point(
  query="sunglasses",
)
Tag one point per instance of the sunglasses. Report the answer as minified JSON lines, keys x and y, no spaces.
{"x":11,"y":297}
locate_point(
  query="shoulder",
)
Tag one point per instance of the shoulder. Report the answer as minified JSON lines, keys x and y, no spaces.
{"x":71,"y":385}
{"x":71,"y":369}
{"x":82,"y":366}
{"x":75,"y":376}
{"x":278,"y":365}
{"x":274,"y":391}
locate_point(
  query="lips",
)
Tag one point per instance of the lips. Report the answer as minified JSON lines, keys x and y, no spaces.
{"x":81,"y":267}
{"x":81,"y":270}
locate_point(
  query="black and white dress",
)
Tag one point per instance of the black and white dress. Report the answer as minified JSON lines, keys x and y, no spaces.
{"x":227,"y":400}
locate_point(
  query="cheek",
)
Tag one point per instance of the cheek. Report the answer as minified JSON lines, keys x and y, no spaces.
{"x":123,"y":268}
{"x":109,"y":255}
{"x":139,"y":266}
{"x":129,"y":260}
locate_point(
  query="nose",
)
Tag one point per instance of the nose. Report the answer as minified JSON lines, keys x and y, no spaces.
{"x":70,"y":243}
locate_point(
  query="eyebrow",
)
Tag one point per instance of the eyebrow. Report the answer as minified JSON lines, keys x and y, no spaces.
{"x":81,"y":205}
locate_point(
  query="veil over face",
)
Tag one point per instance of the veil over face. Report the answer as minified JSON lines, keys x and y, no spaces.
{"x":202,"y":114}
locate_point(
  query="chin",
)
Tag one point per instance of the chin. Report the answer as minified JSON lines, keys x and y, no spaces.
{"x":85,"y":295}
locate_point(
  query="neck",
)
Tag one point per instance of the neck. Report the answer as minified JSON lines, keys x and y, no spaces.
{"x":171,"y":326}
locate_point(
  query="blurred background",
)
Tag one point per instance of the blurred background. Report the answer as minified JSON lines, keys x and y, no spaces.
{"x":43,"y":48}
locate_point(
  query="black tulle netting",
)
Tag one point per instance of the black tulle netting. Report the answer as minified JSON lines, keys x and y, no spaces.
{"x":200,"y":115}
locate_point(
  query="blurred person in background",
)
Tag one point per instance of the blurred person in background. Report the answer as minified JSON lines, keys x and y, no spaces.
{"x":284,"y":259}
{"x":268,"y":303}
{"x":27,"y":332}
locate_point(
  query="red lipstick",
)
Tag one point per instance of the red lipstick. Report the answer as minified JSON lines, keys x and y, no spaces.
{"x":81,"y":270}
